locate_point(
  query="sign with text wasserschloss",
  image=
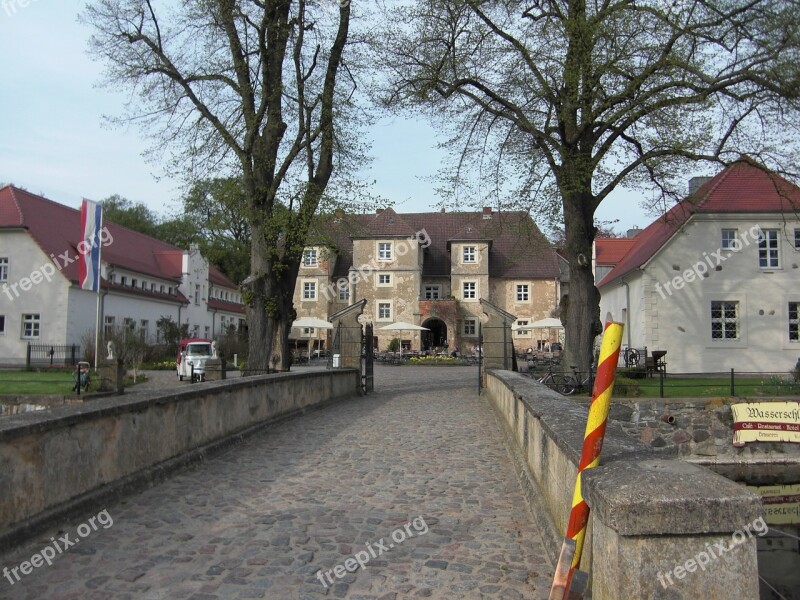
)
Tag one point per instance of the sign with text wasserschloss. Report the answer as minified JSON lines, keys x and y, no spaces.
{"x":766,"y":422}
{"x":781,"y":502}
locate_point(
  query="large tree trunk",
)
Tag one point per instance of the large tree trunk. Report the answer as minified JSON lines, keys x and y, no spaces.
{"x":582,"y":315}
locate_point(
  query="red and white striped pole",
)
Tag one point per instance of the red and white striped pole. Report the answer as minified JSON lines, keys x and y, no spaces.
{"x":592,"y":446}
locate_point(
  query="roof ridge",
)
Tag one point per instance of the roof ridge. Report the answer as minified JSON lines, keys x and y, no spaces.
{"x":16,"y":204}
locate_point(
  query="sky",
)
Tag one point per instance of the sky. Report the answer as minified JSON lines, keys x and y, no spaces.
{"x":54,"y":140}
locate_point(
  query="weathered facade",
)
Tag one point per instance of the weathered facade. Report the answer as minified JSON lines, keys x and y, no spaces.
{"x":430,"y":270}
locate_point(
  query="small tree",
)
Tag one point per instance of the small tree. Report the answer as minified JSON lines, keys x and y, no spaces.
{"x":171,"y":332}
{"x":394,"y":345}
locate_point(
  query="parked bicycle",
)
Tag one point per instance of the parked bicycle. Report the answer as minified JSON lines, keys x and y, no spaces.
{"x":555,"y":381}
{"x":573,"y":383}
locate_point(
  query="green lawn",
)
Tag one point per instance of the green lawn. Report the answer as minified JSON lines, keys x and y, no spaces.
{"x":36,"y":382}
{"x":680,"y":387}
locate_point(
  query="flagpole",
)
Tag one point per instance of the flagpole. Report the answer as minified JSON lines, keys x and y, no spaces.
{"x":99,"y":286}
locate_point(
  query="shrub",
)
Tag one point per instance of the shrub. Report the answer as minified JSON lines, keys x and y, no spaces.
{"x":394,"y":345}
{"x":632,"y":372}
{"x":627,"y":387}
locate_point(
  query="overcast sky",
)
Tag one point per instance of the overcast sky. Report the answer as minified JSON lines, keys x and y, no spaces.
{"x":54,"y":140}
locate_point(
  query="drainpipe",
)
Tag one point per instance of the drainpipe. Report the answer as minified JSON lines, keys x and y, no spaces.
{"x":627,"y":312}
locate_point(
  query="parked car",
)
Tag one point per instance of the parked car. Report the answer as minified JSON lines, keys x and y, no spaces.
{"x":192,"y":356}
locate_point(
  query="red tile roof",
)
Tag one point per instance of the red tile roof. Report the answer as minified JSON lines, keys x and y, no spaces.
{"x":213,"y":303}
{"x":742,"y":187}
{"x":609,"y":251}
{"x":57,"y":229}
{"x":518,"y":250}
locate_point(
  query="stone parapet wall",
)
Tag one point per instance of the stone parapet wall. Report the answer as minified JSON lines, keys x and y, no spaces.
{"x":649,"y":514}
{"x":57,"y":461}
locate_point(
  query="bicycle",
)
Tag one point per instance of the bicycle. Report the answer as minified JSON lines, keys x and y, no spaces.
{"x":555,"y":381}
{"x":573,"y":383}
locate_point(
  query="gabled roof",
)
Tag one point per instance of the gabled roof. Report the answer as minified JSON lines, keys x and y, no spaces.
{"x":609,"y":251}
{"x":518,"y":248}
{"x":742,"y":187}
{"x":57,"y":229}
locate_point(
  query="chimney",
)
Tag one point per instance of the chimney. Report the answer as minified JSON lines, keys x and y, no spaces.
{"x":441,"y":210}
{"x":487,"y":212}
{"x":379,"y":210}
{"x":632,"y":233}
{"x":696,"y":182}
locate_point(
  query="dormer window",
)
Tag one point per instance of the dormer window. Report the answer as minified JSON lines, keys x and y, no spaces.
{"x":310,"y":257}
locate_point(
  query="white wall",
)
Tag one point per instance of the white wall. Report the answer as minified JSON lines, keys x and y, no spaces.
{"x":195,"y":273}
{"x":48,"y":299}
{"x":679,"y":320}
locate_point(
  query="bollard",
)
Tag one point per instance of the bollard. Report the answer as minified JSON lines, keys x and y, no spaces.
{"x":592,"y":445}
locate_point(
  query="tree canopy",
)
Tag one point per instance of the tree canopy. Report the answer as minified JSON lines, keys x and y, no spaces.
{"x":245,"y":88}
{"x":553,"y":104}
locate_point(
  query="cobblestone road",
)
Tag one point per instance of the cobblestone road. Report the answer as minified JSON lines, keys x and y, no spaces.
{"x":263,"y":518}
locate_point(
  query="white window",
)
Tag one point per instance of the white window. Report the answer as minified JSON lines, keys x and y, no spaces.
{"x":222,"y":324}
{"x":161,"y":289}
{"x":144,"y":285}
{"x":469,"y":254}
{"x":123,"y":280}
{"x":522,"y":331}
{"x":309,"y":331}
{"x":724,"y":320}
{"x":384,"y":279}
{"x":469,"y":290}
{"x":134,"y":282}
{"x":310,"y":258}
{"x":769,"y":249}
{"x":3,"y":269}
{"x":144,"y":325}
{"x":30,"y":327}
{"x":309,"y":290}
{"x":169,"y":292}
{"x":432,"y":292}
{"x":523,"y":292}
{"x":108,"y":327}
{"x":728,"y":237}
{"x":2,"y":324}
{"x":796,"y":242}
{"x":344,"y":289}
{"x":152,"y":287}
{"x":384,"y":311}
{"x":207,"y":328}
{"x":470,"y":327}
{"x":794,"y":321}
{"x":197,"y":294}
{"x":385,"y":251}
{"x":129,"y":323}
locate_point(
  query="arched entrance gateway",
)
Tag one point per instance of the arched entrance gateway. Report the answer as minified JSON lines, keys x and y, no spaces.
{"x":436,"y":337}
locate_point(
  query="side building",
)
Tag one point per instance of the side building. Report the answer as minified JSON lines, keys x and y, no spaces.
{"x":715,"y":282}
{"x":142,"y":281}
{"x":431,"y":270}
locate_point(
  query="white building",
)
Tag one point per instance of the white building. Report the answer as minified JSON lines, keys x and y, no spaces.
{"x":143,"y":280}
{"x":715,"y":281}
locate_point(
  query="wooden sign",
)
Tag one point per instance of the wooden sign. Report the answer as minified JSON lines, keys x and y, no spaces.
{"x":766,"y":422}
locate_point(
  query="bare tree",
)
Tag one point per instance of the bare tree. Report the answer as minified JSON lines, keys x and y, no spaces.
{"x":249,"y":88}
{"x":555,"y":103}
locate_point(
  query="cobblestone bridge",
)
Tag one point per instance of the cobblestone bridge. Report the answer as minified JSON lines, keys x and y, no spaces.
{"x":407,"y":493}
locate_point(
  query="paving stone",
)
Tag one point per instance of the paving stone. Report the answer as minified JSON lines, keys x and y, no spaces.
{"x":262,"y":519}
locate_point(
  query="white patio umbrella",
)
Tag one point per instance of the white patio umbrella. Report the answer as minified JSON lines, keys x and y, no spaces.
{"x":403,"y":326}
{"x":312,"y":323}
{"x":548,"y":323}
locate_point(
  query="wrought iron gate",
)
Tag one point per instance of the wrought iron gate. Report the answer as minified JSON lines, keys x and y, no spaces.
{"x":367,"y":360}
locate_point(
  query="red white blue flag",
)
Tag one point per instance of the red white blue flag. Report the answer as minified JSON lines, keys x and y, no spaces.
{"x":89,"y":248}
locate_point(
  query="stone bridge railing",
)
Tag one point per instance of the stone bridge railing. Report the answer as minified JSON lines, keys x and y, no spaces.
{"x":653,"y":519}
{"x":57,"y":463}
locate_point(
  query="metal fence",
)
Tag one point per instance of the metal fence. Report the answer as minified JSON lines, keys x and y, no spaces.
{"x":637,"y":381}
{"x":52,"y":355}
